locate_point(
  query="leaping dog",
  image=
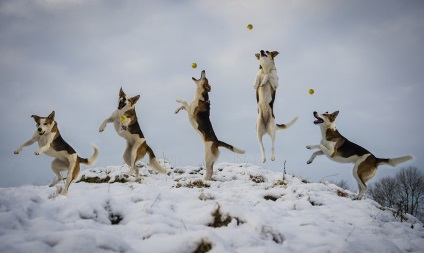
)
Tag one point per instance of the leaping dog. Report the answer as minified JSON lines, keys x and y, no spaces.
{"x":126,"y":125}
{"x":339,"y":149}
{"x":198,"y":114}
{"x":266,"y":84}
{"x":52,"y":144}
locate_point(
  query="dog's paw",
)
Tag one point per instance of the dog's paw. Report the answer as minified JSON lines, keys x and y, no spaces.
{"x":37,"y":152}
{"x":309,"y":147}
{"x":17,"y":151}
{"x":308,"y":162}
{"x":180,"y":101}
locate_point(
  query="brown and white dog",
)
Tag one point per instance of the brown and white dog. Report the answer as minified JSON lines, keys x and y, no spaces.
{"x":266,"y":84}
{"x":339,"y":149}
{"x":126,"y":125}
{"x":52,"y":144}
{"x":198,"y":114}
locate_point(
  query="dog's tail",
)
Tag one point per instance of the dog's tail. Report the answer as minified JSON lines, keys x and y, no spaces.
{"x":281,"y":127}
{"x":394,"y":161}
{"x":153,"y":162}
{"x":92,"y":160}
{"x":230,"y":147}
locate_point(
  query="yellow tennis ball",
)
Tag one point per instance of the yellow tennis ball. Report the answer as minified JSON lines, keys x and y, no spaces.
{"x":250,"y":26}
{"x":123,"y":118}
{"x":311,"y":91}
{"x":194,"y":65}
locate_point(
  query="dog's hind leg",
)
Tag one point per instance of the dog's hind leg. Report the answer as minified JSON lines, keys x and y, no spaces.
{"x":211,"y":155}
{"x":73,"y":171}
{"x":58,"y":166}
{"x":259,"y":134}
{"x":364,"y":169}
{"x":271,"y":133}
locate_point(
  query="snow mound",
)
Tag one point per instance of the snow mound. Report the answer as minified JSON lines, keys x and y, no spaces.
{"x":245,"y":208}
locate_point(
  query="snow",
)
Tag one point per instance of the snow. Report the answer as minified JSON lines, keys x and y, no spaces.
{"x":244,"y":209}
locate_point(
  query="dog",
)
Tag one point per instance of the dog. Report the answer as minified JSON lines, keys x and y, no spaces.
{"x":51,"y":143}
{"x":198,"y":114}
{"x":339,"y":149}
{"x":266,"y":84}
{"x":125,"y":121}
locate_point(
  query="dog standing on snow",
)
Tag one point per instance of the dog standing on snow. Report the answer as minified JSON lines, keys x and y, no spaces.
{"x":266,"y":84}
{"x":198,"y":114}
{"x":52,"y":144}
{"x":339,"y":149}
{"x":126,"y":125}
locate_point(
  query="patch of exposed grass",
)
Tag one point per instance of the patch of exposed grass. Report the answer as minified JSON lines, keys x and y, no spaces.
{"x":203,"y":247}
{"x":270,"y":197}
{"x":258,"y":178}
{"x":193,"y":184}
{"x":94,"y":180}
{"x":218,"y":220}
{"x":342,"y":194}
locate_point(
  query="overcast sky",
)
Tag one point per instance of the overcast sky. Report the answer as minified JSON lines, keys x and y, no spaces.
{"x":363,"y":58}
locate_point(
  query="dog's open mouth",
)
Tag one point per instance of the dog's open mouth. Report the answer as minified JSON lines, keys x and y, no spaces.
{"x":121,"y":105}
{"x":41,"y":133}
{"x":319,"y":120}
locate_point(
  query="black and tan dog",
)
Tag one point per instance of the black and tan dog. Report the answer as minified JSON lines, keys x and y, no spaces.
{"x":125,"y":121}
{"x":339,"y":149}
{"x":198,"y":114}
{"x":266,"y":84}
{"x":52,"y":144}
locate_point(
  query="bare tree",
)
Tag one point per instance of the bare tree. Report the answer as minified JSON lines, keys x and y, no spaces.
{"x":404,"y":191}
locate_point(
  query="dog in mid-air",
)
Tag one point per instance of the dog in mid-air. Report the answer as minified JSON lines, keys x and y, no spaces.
{"x":266,"y":84}
{"x":51,"y":143}
{"x":339,"y":149}
{"x":124,"y":119}
{"x":198,"y":114}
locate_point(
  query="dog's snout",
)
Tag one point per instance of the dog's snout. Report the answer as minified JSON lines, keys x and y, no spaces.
{"x":39,"y":129}
{"x":263,"y":53}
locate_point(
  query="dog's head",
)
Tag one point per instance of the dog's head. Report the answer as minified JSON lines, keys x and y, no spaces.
{"x":125,"y":102}
{"x":44,"y":124}
{"x":202,"y":84}
{"x":266,"y":60}
{"x":325,"y":119}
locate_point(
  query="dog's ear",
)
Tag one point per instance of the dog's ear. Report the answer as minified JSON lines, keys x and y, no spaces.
{"x":274,"y":54}
{"x":121,"y":93}
{"x":36,"y":118}
{"x":334,"y":115}
{"x":134,"y":99}
{"x":257,"y":56}
{"x":51,"y":116}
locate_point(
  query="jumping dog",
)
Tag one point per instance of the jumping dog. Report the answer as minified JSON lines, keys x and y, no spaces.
{"x":266,"y":84}
{"x":339,"y":149}
{"x":198,"y":114}
{"x":51,"y":143}
{"x":125,"y":121}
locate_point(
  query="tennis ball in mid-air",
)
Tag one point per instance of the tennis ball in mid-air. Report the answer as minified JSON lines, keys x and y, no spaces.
{"x":123,"y":118}
{"x":311,"y":91}
{"x":250,"y":26}
{"x":194,"y":65}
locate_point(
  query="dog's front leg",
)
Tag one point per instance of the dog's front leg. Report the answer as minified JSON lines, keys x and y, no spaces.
{"x":264,"y":80}
{"x":46,"y":147}
{"x":185,"y":106}
{"x":257,"y":81}
{"x":314,"y":146}
{"x":108,"y":120}
{"x":29,"y":142}
{"x":315,"y":154}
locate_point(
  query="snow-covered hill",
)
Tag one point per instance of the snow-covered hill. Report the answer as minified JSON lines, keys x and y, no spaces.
{"x":245,"y":209}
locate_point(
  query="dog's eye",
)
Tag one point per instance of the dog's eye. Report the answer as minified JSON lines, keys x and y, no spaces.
{"x":45,"y":124}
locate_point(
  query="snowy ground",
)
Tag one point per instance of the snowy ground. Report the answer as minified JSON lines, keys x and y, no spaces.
{"x":245,"y":209}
